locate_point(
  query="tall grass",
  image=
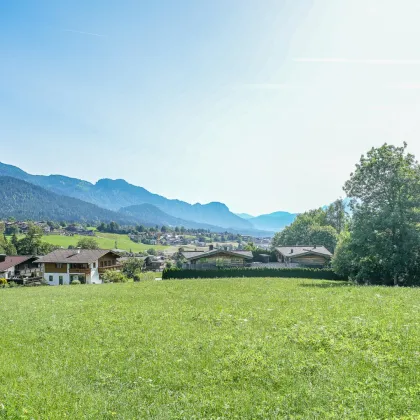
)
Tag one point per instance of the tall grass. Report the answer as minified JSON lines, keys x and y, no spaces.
{"x":228,"y":348}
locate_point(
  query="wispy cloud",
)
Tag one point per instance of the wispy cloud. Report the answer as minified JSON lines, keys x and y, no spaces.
{"x":355,"y":61}
{"x":83,"y":33}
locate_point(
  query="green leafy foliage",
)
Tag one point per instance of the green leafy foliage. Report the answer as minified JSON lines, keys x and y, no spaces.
{"x":87,"y":243}
{"x":315,"y":227}
{"x":31,"y":243}
{"x":132,"y":266}
{"x":383,"y":245}
{"x":223,"y":272}
{"x":111,"y":276}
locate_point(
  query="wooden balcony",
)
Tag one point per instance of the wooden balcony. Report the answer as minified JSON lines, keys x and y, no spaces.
{"x":110,"y":267}
{"x":79,"y":271}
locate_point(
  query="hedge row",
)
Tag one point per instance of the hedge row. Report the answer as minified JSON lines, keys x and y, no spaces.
{"x":306,"y":273}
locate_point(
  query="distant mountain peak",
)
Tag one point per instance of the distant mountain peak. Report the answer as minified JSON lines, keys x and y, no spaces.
{"x":116,"y":194}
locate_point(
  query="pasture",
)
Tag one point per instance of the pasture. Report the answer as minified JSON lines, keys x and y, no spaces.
{"x":105,"y":241}
{"x":227,"y":348}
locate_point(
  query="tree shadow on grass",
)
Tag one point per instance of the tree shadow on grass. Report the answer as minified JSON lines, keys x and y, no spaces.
{"x":321,"y":284}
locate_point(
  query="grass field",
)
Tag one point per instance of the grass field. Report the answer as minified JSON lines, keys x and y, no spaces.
{"x":106,"y":241}
{"x":232,"y":348}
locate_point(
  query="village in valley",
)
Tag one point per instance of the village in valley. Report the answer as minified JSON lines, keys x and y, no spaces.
{"x":165,"y":248}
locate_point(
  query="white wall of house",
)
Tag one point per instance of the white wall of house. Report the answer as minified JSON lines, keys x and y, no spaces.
{"x":53,"y":279}
{"x":94,"y":274}
{"x":8,"y":274}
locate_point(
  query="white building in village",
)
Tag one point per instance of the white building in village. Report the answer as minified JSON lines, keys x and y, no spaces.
{"x":86,"y":265}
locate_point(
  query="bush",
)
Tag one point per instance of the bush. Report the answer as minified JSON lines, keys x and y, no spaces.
{"x":306,"y":273}
{"x":144,"y":276}
{"x":114,"y":277}
{"x":3,"y":282}
{"x":137,"y":276}
{"x":13,"y":284}
{"x":75,"y":282}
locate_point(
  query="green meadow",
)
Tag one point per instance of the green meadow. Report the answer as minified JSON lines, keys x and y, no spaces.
{"x":214,"y":349}
{"x":105,"y":241}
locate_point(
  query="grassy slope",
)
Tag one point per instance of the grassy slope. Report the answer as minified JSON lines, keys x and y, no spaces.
{"x":251,"y":348}
{"x":105,"y":240}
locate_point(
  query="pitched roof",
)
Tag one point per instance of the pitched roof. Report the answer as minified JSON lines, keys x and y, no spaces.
{"x":295,"y":251}
{"x":81,"y":256}
{"x":193,"y":255}
{"x":11,"y":261}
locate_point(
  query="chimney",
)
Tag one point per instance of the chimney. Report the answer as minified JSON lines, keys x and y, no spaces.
{"x":291,"y":250}
{"x":2,"y":257}
{"x":314,"y":246}
{"x":211,"y":247}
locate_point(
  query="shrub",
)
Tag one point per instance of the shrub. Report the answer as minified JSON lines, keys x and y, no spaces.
{"x":75,"y":282}
{"x":144,"y":276}
{"x":3,"y":282}
{"x":137,"y":276}
{"x":307,"y":273}
{"x":114,"y":277}
{"x":13,"y":284}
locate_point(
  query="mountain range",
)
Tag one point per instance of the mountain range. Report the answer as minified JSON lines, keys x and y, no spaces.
{"x":127,"y":202}
{"x":271,"y":222}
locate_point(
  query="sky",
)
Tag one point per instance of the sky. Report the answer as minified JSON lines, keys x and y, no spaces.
{"x":264,"y":105}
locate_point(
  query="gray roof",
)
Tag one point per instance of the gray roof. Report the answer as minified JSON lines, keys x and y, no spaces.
{"x":295,"y":251}
{"x":192,"y":255}
{"x":75,"y":256}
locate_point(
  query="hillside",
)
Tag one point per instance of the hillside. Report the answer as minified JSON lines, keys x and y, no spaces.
{"x":245,"y":216}
{"x":23,"y":200}
{"x":152,"y":215}
{"x":273,"y":221}
{"x":116,"y":194}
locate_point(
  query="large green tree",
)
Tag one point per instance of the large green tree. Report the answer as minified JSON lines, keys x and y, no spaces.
{"x":315,"y":227}
{"x":87,"y":243}
{"x":383,"y":245}
{"x":32,"y":244}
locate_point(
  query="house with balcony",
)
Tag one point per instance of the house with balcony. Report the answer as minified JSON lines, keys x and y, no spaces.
{"x":86,"y":265}
{"x":215,"y":258}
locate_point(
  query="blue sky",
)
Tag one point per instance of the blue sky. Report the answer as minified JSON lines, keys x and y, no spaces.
{"x":263,"y":105}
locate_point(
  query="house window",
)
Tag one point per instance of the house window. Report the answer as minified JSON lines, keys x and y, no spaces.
{"x":59,"y":265}
{"x":94,"y":265}
{"x":50,"y":278}
{"x":60,"y":279}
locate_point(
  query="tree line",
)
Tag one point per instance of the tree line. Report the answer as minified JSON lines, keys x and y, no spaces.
{"x":378,"y":240}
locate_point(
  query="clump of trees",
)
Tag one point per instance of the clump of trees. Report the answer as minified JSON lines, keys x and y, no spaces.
{"x":87,"y":243}
{"x":30,"y":244}
{"x":315,"y":227}
{"x":382,"y":242}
